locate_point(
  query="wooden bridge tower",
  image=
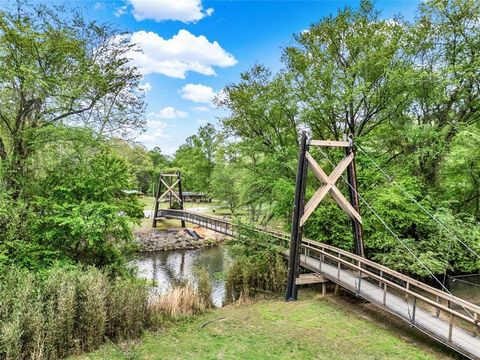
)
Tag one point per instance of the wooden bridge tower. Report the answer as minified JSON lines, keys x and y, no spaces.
{"x":302,"y":211}
{"x":169,"y":181}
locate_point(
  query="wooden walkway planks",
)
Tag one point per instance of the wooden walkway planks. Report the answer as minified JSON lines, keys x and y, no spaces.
{"x":312,"y":278}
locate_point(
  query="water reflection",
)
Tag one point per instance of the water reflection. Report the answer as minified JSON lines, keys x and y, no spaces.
{"x":167,"y":267}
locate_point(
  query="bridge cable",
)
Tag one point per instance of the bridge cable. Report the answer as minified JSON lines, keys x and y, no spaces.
{"x":410,"y":196}
{"x":396,"y":237}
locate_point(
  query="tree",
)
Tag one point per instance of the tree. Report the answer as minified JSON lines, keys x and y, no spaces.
{"x":58,"y":70}
{"x":405,"y":92}
{"x":195,"y":159}
{"x":84,"y":212}
{"x":145,"y":164}
{"x":262,"y":128}
{"x":262,"y":111}
{"x":460,"y":174}
{"x":444,"y":45}
{"x":225,"y":186}
{"x":349,"y":72}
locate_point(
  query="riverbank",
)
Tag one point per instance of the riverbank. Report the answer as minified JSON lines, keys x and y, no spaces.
{"x":177,"y":239}
{"x":311,"y":328}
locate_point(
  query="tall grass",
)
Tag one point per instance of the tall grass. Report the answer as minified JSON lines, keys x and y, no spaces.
{"x":183,"y":299}
{"x":178,"y":302}
{"x":250,"y":275}
{"x":204,"y":287}
{"x":67,"y":311}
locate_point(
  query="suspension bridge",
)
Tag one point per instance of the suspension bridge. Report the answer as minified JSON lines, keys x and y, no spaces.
{"x":448,"y":319}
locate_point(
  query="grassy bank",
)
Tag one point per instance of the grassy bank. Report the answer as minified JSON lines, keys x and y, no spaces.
{"x":311,"y":328}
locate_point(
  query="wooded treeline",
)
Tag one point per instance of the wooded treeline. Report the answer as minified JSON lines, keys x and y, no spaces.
{"x":407,"y":91}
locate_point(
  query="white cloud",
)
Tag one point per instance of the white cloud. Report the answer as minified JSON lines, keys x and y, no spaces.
{"x":154,"y":134}
{"x":169,"y":113}
{"x":146,"y":87}
{"x":201,"y":108}
{"x":161,"y":10}
{"x":99,"y":6}
{"x":197,"y":93}
{"x":175,"y":57}
{"x":209,"y":11}
{"x":120,"y":11}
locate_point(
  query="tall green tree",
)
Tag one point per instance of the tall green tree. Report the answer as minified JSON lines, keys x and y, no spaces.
{"x":408,"y":94}
{"x":59,"y":70}
{"x":349,"y":72}
{"x":445,"y":43}
{"x":195,"y":159}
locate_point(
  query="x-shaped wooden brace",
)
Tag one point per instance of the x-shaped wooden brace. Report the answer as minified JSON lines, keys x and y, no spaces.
{"x":329,"y":186}
{"x":169,"y":190}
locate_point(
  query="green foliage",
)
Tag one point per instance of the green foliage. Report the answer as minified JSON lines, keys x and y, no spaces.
{"x":329,"y":224}
{"x":349,"y":72}
{"x":86,"y":215}
{"x":60,"y":197}
{"x":460,"y":176}
{"x":224,"y":186}
{"x":204,"y":286}
{"x":66,"y":70}
{"x":128,"y":312}
{"x":145,"y":165}
{"x":257,"y":267}
{"x":76,"y":211}
{"x":283,"y":192}
{"x":195,"y":159}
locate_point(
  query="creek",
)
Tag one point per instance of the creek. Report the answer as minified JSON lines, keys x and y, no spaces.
{"x":166,"y":268}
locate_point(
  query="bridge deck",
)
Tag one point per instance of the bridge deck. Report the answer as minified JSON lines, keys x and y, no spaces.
{"x":414,"y":302}
{"x":423,"y":319}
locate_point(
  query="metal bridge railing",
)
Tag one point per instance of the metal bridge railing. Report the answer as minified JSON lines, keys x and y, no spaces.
{"x":407,"y":282}
{"x":450,"y":320}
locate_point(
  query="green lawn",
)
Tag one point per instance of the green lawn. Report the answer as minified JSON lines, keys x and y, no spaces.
{"x":311,"y":328}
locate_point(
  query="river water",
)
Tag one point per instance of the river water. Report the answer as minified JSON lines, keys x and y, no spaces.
{"x":165,"y":268}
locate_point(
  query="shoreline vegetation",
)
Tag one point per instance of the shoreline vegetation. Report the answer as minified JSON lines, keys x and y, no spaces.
{"x":69,"y":311}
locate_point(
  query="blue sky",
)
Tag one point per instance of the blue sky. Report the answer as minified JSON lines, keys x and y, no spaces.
{"x":193,"y":48}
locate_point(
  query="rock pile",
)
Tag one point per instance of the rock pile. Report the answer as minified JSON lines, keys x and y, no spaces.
{"x":176,"y":239}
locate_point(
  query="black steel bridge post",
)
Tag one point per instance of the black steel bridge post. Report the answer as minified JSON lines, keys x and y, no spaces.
{"x":296,"y":235}
{"x":358,"y":247}
{"x":157,"y":196}
{"x":180,"y":194}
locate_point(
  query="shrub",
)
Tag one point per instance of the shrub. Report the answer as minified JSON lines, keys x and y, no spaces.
{"x":65,"y":311}
{"x":251,"y":275}
{"x":127,"y":309}
{"x":84,"y":212}
{"x":21,"y":317}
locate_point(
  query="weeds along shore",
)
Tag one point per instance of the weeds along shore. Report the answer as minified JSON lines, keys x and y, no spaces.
{"x":68,"y":311}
